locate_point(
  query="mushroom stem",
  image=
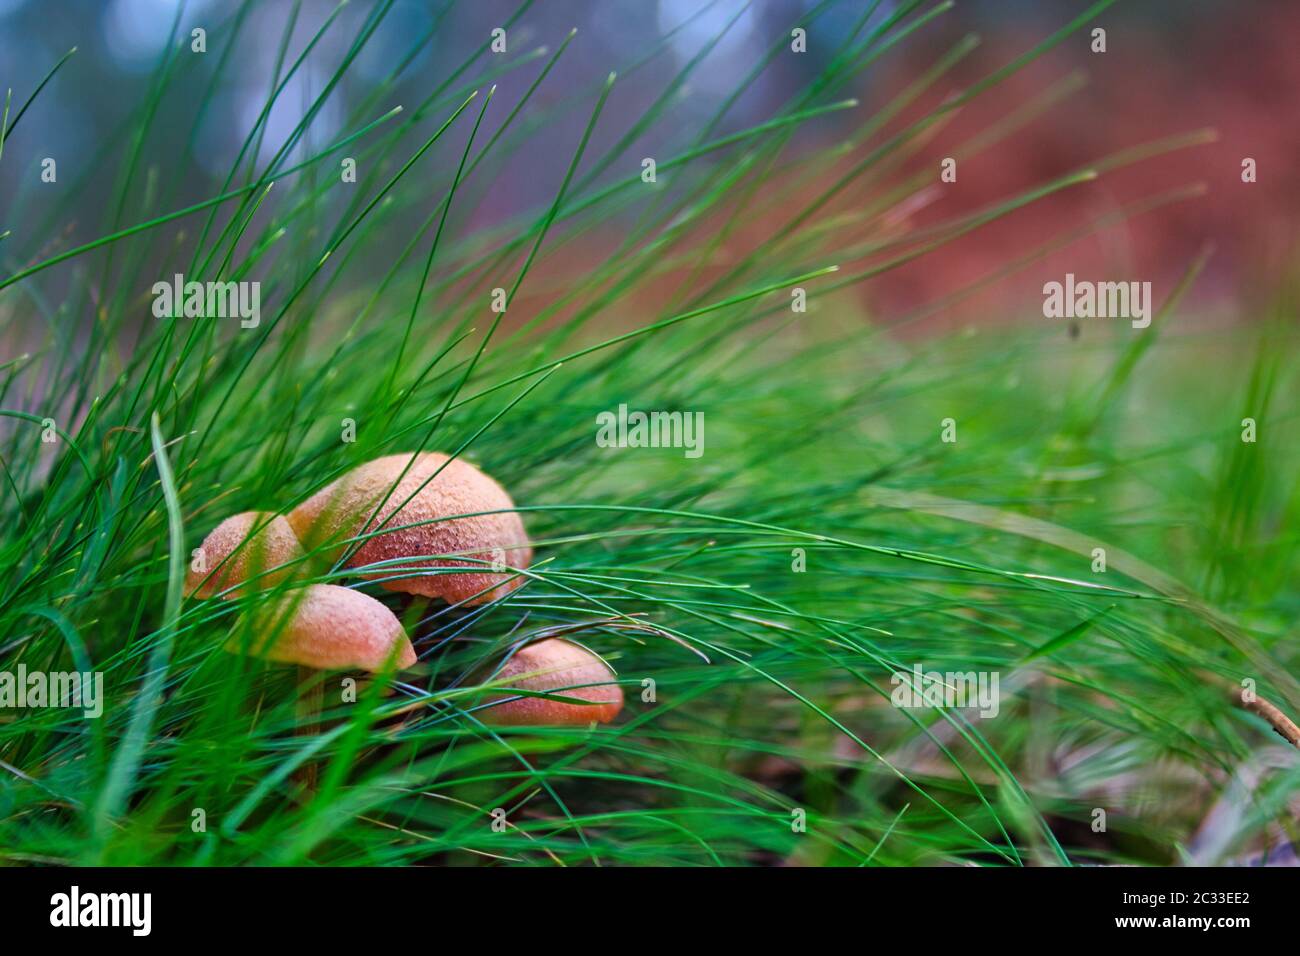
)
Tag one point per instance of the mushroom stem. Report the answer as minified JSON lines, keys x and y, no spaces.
{"x":311,"y":696}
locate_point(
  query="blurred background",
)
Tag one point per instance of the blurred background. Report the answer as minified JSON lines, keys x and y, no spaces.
{"x":1171,"y":67}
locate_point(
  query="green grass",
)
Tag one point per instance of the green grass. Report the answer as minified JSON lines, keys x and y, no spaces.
{"x":771,"y":685}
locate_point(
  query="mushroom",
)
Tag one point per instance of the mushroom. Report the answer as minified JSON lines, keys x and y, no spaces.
{"x":557,"y":667}
{"x":230,"y":556}
{"x":324,"y":627}
{"x":344,"y":508}
{"x":328,"y":627}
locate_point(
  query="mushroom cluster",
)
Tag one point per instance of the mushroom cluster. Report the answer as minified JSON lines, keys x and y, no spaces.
{"x":423,"y":524}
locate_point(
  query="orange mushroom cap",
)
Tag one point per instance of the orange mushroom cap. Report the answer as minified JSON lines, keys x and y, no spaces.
{"x":340,"y":510}
{"x":231,"y":557}
{"x":330,"y":628}
{"x":554,"y":666}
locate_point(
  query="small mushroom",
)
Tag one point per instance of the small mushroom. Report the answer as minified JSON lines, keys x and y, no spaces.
{"x":231,"y":557}
{"x":324,"y":627}
{"x":329,"y":628}
{"x":557,"y":667}
{"x":492,"y":541}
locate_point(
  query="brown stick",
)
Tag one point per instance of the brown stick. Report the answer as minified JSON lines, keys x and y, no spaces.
{"x":1280,"y":722}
